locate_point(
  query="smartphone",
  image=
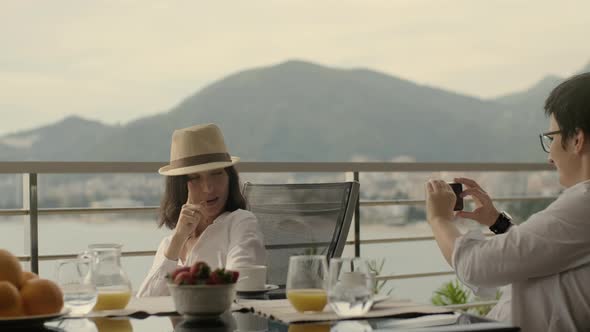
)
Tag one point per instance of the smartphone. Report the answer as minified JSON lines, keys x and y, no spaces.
{"x":457,"y":188}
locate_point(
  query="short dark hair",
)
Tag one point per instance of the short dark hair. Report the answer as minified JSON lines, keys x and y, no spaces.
{"x":569,"y":103}
{"x":176,"y":194}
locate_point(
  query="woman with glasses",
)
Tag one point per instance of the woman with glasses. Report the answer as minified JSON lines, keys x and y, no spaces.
{"x":545,"y":261}
{"x":204,"y":208}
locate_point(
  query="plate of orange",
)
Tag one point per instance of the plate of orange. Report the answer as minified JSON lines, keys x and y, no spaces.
{"x":31,"y":320}
{"x":26,"y":299}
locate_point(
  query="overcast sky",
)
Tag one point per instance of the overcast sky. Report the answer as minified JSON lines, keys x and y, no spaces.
{"x":119,"y":60}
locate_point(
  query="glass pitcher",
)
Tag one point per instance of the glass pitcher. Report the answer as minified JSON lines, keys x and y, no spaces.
{"x":107,"y":274}
{"x":78,"y":290}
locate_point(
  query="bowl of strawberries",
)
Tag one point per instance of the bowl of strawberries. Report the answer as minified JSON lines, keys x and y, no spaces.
{"x":199,"y":291}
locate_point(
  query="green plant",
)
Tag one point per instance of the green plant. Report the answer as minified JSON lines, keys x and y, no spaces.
{"x":453,"y":292}
{"x":449,"y":293}
{"x":375,"y":268}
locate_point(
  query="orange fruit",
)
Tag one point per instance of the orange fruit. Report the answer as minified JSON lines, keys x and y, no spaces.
{"x":10,"y":268}
{"x":26,"y":275}
{"x":41,"y":297}
{"x":10,"y":301}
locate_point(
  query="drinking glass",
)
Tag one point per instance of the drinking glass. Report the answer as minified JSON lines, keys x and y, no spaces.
{"x":306,"y":282}
{"x":79,"y":292}
{"x":350,"y":287}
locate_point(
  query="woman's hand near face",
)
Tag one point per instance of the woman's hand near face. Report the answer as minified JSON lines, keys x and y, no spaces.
{"x":440,"y":200}
{"x":189,"y":220}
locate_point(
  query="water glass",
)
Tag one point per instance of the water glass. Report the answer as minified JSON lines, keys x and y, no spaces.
{"x":79,"y":292}
{"x":306,"y":283}
{"x":350,"y":287}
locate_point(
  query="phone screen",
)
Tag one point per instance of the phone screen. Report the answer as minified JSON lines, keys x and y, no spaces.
{"x":457,"y":188}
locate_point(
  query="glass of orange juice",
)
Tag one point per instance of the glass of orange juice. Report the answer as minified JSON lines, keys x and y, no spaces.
{"x":306,"y":283}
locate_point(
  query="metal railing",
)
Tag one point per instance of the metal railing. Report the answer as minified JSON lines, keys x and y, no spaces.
{"x":30,"y":171}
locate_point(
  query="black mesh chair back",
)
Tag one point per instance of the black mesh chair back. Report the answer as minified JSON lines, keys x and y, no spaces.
{"x":296,"y":219}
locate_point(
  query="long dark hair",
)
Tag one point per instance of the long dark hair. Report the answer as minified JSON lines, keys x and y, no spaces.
{"x":176,"y":195}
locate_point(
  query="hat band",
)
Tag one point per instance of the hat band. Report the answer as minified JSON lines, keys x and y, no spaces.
{"x":200,"y":159}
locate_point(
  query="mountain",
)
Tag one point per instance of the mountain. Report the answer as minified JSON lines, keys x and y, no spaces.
{"x":530,"y":102}
{"x":534,"y":95}
{"x":66,"y":140}
{"x":300,"y":111}
{"x":306,"y":112}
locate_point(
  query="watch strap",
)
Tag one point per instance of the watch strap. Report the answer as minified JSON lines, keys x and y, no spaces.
{"x":502,"y":224}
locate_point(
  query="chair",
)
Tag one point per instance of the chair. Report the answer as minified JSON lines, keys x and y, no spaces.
{"x":296,"y":219}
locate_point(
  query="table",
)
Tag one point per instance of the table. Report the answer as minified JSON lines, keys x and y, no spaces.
{"x":243,"y":322}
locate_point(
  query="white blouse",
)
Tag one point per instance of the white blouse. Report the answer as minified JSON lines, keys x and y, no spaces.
{"x":545,"y":261}
{"x":235,"y":234}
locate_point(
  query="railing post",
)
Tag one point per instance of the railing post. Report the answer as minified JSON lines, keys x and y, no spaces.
{"x":357,"y":221}
{"x":30,"y":203}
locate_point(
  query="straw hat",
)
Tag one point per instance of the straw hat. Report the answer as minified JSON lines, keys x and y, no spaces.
{"x":197,"y":149}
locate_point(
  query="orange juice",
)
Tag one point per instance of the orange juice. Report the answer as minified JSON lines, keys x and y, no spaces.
{"x":112,"y":300}
{"x":308,"y":299}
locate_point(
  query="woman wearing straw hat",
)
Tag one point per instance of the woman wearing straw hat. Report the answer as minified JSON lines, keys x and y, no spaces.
{"x":205,"y":209}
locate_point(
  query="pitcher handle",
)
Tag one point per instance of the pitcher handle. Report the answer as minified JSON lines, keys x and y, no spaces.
{"x":84,"y":262}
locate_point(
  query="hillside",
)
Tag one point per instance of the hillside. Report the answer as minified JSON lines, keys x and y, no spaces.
{"x":300,"y":111}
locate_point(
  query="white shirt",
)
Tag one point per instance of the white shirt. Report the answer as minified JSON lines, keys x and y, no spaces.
{"x":546,"y":261}
{"x":235,"y":234}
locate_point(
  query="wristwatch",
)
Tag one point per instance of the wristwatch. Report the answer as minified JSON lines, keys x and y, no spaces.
{"x":502,"y":223}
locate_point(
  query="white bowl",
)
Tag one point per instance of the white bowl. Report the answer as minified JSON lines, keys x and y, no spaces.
{"x":202,"y":300}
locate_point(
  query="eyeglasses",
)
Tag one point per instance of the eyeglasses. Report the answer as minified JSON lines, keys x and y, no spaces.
{"x":547,"y":139}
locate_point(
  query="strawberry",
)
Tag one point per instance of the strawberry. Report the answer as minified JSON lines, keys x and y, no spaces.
{"x":183,"y":278}
{"x":234,"y":276}
{"x":227,"y":277}
{"x":214,"y":278}
{"x":200,"y":270}
{"x":177,"y":271}
{"x":222,"y":276}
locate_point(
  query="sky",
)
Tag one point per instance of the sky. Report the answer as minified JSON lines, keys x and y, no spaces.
{"x":115,"y":61}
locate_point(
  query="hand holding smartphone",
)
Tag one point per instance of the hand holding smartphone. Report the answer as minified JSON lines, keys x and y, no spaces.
{"x":458,"y":189}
